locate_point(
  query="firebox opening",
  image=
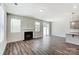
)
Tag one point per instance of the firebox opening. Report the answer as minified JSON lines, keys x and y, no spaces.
{"x":28,"y":35}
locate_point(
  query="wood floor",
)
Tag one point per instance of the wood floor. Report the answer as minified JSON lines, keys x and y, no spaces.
{"x":42,"y":46}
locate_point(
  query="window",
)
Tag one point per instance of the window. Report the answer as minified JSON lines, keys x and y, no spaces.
{"x":37,"y":26}
{"x":15,"y":25}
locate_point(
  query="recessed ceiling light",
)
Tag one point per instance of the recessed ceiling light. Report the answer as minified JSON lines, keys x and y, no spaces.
{"x":41,"y":10}
{"x":74,"y":6}
{"x":73,"y":23}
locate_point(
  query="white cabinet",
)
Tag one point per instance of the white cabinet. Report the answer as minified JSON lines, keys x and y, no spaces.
{"x":74,"y":39}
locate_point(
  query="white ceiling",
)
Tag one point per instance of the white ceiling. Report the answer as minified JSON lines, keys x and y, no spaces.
{"x":50,"y":10}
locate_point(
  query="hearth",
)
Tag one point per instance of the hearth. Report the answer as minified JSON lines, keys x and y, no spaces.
{"x":28,"y":35}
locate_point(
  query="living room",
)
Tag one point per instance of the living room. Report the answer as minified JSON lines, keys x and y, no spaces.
{"x":39,"y":28}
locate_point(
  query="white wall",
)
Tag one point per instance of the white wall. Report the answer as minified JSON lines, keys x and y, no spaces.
{"x":3,"y":41}
{"x":61,"y":26}
{"x":27,"y":24}
{"x":12,"y":36}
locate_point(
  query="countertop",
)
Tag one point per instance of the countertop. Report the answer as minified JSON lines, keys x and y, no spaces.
{"x":73,"y":33}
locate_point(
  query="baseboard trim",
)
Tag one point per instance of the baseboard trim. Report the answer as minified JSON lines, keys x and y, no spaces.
{"x":58,"y":36}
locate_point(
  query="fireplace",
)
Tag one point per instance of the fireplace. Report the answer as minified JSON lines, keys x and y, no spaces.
{"x":28,"y":35}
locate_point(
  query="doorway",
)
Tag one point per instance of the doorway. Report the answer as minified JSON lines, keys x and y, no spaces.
{"x":45,"y":29}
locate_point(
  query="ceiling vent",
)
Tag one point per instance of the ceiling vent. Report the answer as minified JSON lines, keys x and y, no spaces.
{"x":15,"y":3}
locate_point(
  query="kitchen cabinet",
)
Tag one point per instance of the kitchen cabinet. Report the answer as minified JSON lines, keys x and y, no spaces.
{"x":72,"y":38}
